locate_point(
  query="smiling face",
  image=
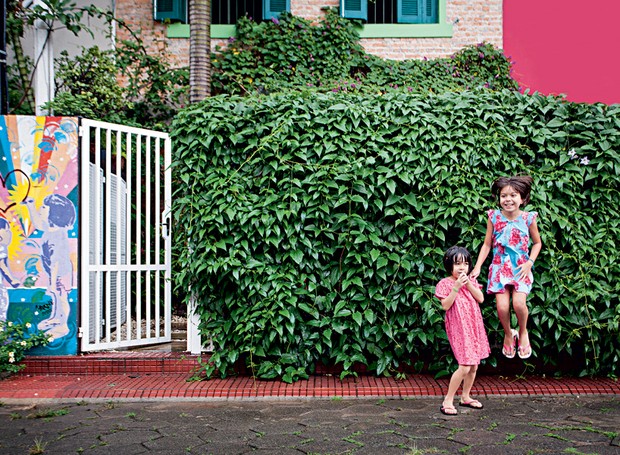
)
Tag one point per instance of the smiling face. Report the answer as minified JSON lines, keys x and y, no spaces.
{"x":510,"y":201}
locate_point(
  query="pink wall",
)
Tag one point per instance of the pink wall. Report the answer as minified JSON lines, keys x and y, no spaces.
{"x":565,"y":47}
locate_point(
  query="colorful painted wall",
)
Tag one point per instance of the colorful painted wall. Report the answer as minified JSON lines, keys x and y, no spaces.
{"x":39,"y":227}
{"x":565,"y":47}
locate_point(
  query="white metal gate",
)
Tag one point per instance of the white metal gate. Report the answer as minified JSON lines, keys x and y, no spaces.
{"x":125,"y":195}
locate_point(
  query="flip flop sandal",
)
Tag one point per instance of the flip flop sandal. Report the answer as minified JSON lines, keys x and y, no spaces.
{"x":444,"y":410}
{"x":523,"y":349}
{"x":471,"y":403}
{"x":510,"y":352}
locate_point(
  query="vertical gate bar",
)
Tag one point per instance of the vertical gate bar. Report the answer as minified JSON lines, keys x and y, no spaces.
{"x":84,"y":233}
{"x":168,"y":239}
{"x":138,"y":238}
{"x":117,"y":291}
{"x":98,"y":240}
{"x":128,"y":199}
{"x":147,"y":230}
{"x":157,"y":233}
{"x":108,"y":233}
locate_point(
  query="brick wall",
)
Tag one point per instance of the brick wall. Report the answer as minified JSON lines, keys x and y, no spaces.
{"x":474,"y":21}
{"x":138,"y":14}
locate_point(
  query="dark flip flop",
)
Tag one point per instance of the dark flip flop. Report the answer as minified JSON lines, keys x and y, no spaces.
{"x":471,"y":404}
{"x":444,"y":409}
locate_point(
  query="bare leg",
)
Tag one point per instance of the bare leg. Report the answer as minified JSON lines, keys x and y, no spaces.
{"x":455,"y":381}
{"x":519,"y":304}
{"x":502,"y":302}
{"x":468,"y":382}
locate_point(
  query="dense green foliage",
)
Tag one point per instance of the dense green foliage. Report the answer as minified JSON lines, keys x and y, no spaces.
{"x":292,"y":53}
{"x":87,"y":85}
{"x":313,"y":225}
{"x":280,"y":55}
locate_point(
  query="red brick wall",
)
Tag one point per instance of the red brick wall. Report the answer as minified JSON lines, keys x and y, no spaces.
{"x":138,"y":14}
{"x":474,"y":21}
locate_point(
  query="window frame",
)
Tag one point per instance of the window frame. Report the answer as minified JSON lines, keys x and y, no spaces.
{"x":439,"y":30}
{"x":268,"y":14}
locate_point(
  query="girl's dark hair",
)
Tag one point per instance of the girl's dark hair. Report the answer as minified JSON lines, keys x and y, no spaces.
{"x":456,"y":253}
{"x":521,"y":183}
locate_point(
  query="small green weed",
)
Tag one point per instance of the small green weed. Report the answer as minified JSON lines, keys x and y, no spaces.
{"x":509,"y":438}
{"x":48,"y":413}
{"x":351,"y":440}
{"x":38,"y":447}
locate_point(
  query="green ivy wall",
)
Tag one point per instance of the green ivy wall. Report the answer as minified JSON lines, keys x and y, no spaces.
{"x":311,"y":227}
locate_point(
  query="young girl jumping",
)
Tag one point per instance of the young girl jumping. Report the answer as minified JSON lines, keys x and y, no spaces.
{"x":460,"y":296}
{"x":509,"y":232}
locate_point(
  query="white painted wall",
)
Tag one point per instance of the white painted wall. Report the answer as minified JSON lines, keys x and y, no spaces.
{"x":36,"y":45}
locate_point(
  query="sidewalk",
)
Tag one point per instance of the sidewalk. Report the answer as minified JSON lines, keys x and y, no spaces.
{"x":156,"y":375}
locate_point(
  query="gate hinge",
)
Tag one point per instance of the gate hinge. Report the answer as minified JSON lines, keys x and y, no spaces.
{"x":80,"y":332}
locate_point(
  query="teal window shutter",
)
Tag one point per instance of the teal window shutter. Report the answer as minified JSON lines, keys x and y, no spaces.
{"x":171,"y":10}
{"x":355,"y":9}
{"x":417,"y":11}
{"x":273,"y":8}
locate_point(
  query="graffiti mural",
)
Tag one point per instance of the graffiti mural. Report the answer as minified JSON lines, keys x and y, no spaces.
{"x":39,"y":227}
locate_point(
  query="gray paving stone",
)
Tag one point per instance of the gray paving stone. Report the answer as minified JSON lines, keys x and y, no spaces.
{"x":507,"y":425}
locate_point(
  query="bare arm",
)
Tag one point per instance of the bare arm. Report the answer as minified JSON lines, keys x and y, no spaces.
{"x":524,"y":269}
{"x":476,"y":292}
{"x":485,"y":249}
{"x":461,"y":281}
{"x":536,"y":242}
{"x":447,"y":302}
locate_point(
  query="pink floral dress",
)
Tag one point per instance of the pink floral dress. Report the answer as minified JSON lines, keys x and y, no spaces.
{"x":511,"y":240}
{"x":464,"y":325}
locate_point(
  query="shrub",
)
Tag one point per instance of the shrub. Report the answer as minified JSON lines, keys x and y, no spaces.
{"x":285,"y":53}
{"x":314,"y":224}
{"x":15,"y":341}
{"x":88,"y":85}
{"x":293,"y":54}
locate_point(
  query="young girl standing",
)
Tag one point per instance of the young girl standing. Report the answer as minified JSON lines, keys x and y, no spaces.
{"x":460,"y":296}
{"x":509,"y":232}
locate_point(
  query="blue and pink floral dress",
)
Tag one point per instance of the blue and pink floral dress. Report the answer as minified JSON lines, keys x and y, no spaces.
{"x":511,"y":240}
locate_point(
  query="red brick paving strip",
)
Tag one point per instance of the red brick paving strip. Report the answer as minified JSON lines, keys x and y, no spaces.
{"x":161,"y":375}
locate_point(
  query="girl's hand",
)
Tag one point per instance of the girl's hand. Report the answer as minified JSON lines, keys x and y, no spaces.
{"x":524,"y":270}
{"x":474,"y":273}
{"x":461,"y":281}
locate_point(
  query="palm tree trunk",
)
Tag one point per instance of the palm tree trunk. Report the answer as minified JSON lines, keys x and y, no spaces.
{"x":199,"y":50}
